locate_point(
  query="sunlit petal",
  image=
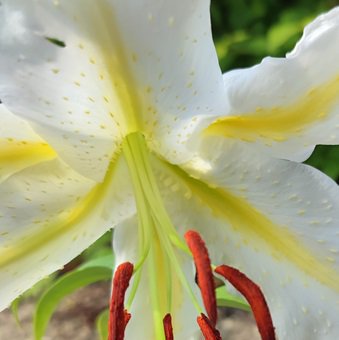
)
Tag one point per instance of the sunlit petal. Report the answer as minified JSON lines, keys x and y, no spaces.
{"x":20,"y":147}
{"x":67,"y":93}
{"x":280,"y":229}
{"x":108,"y":79}
{"x":48,"y":215}
{"x":175,"y":69}
{"x":288,"y":105}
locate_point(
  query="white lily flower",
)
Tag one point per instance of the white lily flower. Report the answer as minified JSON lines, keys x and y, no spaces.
{"x":130,"y":124}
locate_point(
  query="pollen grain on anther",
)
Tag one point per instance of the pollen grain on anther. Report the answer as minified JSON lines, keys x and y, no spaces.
{"x":118,"y":315}
{"x":205,"y":278}
{"x":255,"y":298}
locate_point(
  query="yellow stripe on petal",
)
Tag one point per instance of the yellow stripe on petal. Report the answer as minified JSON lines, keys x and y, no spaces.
{"x":259,"y":231}
{"x":43,"y":237}
{"x":280,"y":123}
{"x":17,"y":155}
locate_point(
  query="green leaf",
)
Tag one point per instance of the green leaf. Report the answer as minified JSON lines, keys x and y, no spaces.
{"x":101,"y":324}
{"x":106,"y":261}
{"x":67,"y":284}
{"x":15,"y":310}
{"x":225,"y":299}
{"x":326,"y":159}
{"x":102,"y":246}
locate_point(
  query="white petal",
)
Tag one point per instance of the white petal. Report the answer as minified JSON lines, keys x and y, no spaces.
{"x":274,"y":220}
{"x":125,"y":244}
{"x":288,"y":105}
{"x":20,"y":147}
{"x":171,"y":55}
{"x":48,"y":215}
{"x":66,"y":93}
{"x":153,"y":61}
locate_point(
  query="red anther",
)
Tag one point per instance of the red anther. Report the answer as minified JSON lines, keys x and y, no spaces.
{"x":255,"y":298}
{"x":168,"y":329}
{"x":118,"y":316}
{"x":207,"y":329}
{"x":204,"y":273}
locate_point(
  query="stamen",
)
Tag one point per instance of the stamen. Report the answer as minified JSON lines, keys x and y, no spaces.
{"x":118,"y":316}
{"x":255,"y":298}
{"x":168,"y":329}
{"x":207,"y":329}
{"x":204,"y":273}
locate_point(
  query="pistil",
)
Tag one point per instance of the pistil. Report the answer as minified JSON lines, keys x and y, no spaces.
{"x":157,"y":235}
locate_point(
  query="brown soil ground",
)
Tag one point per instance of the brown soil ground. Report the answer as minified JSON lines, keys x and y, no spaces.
{"x":75,"y":319}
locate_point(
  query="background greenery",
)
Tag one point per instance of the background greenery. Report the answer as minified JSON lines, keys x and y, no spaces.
{"x":246,"y":31}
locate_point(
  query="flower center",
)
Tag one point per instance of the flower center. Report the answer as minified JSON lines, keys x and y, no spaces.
{"x":158,"y":238}
{"x":161,"y":245}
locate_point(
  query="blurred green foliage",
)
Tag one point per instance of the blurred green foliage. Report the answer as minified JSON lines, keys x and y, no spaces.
{"x":326,"y":158}
{"x":246,"y":31}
